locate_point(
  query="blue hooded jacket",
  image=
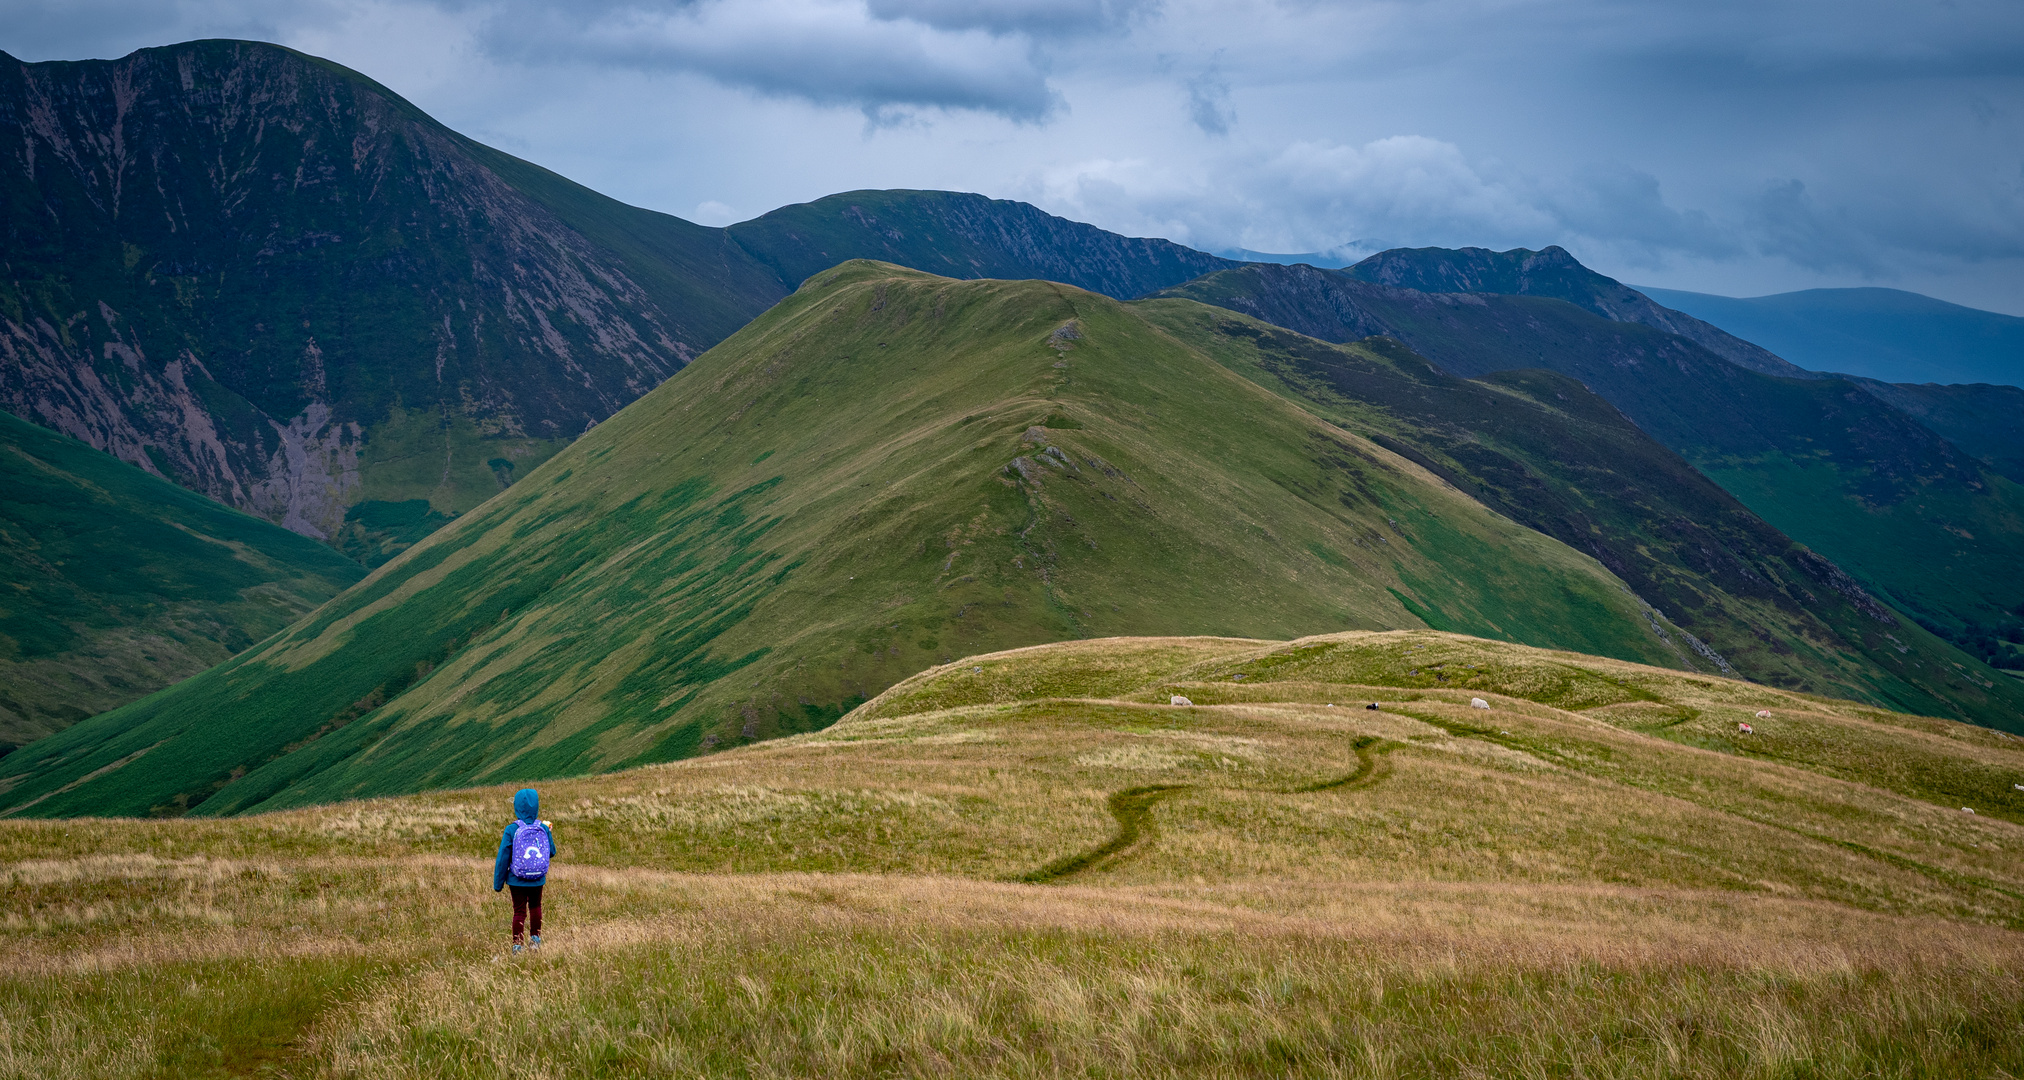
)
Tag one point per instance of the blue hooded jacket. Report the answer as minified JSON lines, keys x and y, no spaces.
{"x":526,"y":804}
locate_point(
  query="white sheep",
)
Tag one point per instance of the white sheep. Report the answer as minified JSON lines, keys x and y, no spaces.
{"x":1178,"y":700}
{"x":1478,"y":703}
{"x":1763,"y":714}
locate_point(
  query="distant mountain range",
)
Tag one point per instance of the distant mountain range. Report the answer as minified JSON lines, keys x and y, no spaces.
{"x":890,"y":470}
{"x":1887,"y":335}
{"x":1919,"y":521}
{"x":270,"y":280}
{"x":1337,"y":256}
{"x":324,"y":327}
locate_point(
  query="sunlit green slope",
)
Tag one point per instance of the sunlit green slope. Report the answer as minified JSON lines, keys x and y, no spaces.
{"x":114,"y":583}
{"x":887,"y":471}
{"x":1544,"y":450}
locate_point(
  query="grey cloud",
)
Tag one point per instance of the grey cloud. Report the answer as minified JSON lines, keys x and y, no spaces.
{"x":1789,"y":143}
{"x":1040,"y":18}
{"x":80,"y":29}
{"x":1209,"y":104}
{"x":1790,"y":224}
{"x":1625,"y":207}
{"x":828,"y":53}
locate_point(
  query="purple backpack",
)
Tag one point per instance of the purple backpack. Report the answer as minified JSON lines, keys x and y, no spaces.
{"x":531,"y":849}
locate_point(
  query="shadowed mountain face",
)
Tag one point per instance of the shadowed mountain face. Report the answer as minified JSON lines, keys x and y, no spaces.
{"x":890,"y":470}
{"x":1986,"y":421}
{"x":1549,"y":453}
{"x":114,"y":583}
{"x":1955,"y":370}
{"x":271,"y":280}
{"x":964,"y":236}
{"x":1552,"y":272}
{"x":1917,"y":520}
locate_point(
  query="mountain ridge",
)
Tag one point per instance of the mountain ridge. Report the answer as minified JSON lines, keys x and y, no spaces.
{"x":345,"y":306}
{"x":893,"y":469}
{"x":1918,"y":520}
{"x":889,"y":470}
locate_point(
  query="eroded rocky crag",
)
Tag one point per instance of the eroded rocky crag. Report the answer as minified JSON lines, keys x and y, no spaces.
{"x":227,"y":262}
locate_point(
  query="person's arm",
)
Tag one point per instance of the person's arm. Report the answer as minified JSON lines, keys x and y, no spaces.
{"x":553,"y":851}
{"x":505,"y":859}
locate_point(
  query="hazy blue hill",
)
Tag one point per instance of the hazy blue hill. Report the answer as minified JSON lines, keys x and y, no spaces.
{"x":964,"y":236}
{"x":1916,"y":519}
{"x":114,"y":583}
{"x":1334,"y":258}
{"x":1889,"y":335}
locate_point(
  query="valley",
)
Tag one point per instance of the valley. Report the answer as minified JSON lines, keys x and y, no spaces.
{"x":118,"y":583}
{"x":951,"y":639}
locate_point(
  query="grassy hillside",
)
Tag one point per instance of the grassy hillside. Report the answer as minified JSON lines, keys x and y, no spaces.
{"x":114,"y":583}
{"x":886,"y":471}
{"x":1031,"y":863}
{"x":1549,"y":453}
{"x":1911,"y":516}
{"x":271,"y":279}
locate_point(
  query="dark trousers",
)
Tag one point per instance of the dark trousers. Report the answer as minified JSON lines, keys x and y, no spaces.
{"x":526,"y":909}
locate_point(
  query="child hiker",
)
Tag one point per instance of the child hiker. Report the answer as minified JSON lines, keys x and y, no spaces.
{"x":524,"y":852}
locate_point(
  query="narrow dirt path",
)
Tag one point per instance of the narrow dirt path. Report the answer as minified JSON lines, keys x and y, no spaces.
{"x":1133,"y":809}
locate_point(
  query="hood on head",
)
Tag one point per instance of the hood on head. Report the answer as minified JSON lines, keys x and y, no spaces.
{"x":526,"y":803}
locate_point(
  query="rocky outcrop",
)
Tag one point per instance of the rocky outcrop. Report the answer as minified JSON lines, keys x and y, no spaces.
{"x":226,"y":262}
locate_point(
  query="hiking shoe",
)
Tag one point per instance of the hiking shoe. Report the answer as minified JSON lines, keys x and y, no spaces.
{"x":536,"y":943}
{"x":516,"y":948}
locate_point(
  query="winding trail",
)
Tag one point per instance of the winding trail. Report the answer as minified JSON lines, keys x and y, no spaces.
{"x":1133,"y":809}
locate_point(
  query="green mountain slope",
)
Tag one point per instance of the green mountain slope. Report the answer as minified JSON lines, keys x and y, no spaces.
{"x":114,"y":583}
{"x":1547,"y":452}
{"x":1918,"y":522}
{"x":270,"y":279}
{"x":887,"y":471}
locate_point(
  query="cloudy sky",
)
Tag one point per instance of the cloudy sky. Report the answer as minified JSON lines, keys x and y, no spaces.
{"x":1730,"y":146}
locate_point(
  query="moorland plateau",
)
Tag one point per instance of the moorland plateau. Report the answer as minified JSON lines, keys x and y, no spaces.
{"x":1031,"y":863}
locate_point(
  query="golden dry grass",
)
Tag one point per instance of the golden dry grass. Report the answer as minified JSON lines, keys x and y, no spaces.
{"x":1595,"y":877}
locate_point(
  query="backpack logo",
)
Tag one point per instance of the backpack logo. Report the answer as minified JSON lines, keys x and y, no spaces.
{"x":531,"y":849}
